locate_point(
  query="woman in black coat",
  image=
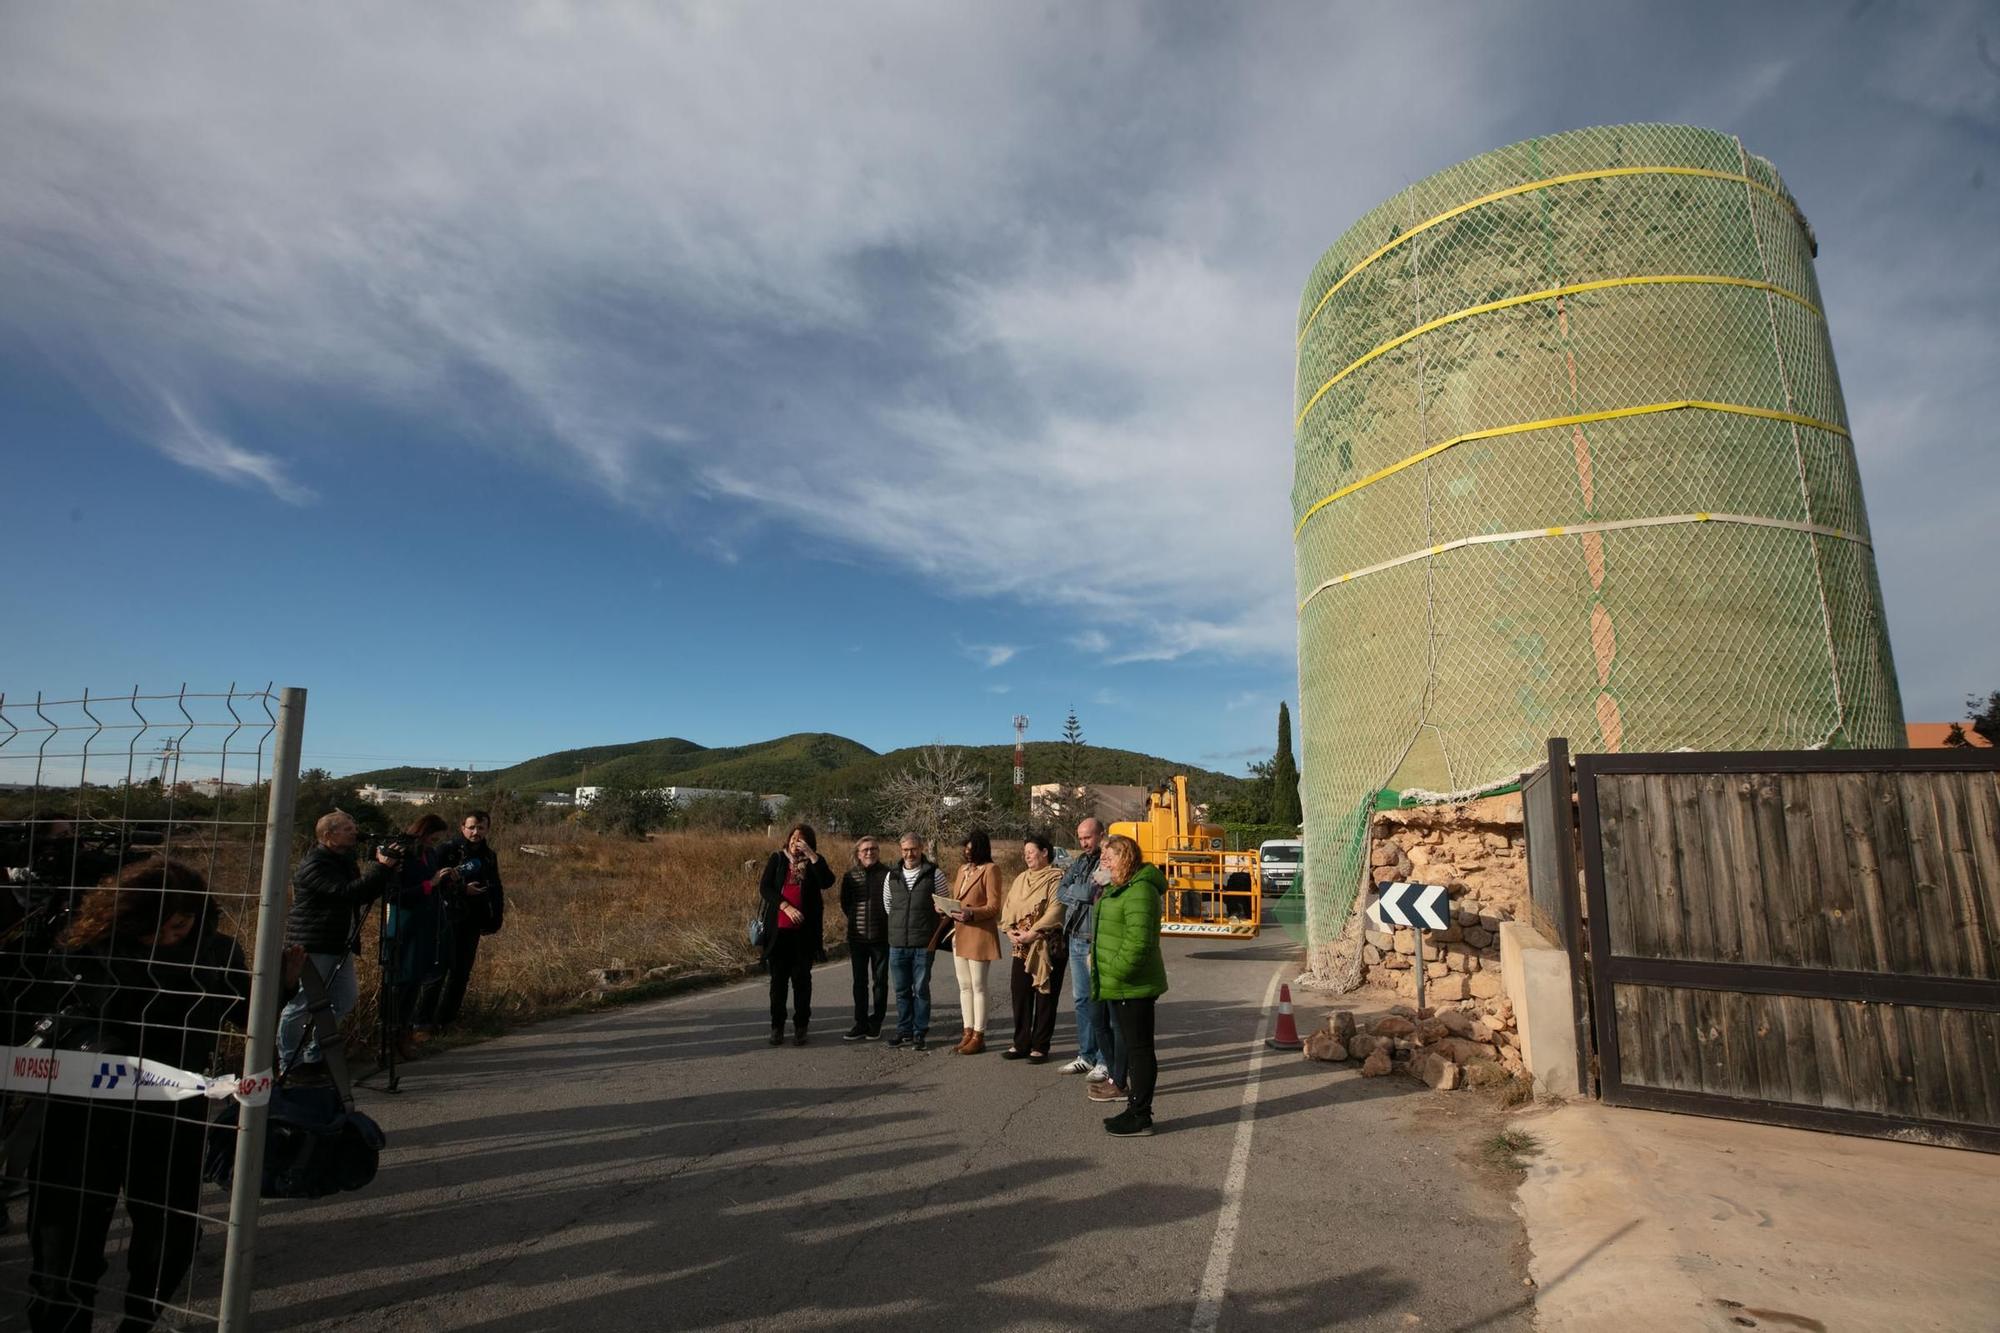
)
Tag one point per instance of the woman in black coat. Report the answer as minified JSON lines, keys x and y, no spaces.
{"x":795,"y":880}
{"x":141,"y":970}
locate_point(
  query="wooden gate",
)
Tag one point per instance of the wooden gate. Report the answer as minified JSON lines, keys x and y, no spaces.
{"x":1808,"y":939}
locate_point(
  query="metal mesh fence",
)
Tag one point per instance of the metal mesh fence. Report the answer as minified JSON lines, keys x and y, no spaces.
{"x":132,"y":843}
{"x":1572,"y":459}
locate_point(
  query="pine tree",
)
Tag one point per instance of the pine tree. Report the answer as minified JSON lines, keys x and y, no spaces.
{"x":1985,"y":716}
{"x":1075,"y":799}
{"x":1072,"y":751}
{"x":1285,"y":775}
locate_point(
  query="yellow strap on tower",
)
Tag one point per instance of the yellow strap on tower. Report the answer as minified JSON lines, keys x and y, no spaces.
{"x":1509,"y":193}
{"x":1579,"y":419}
{"x":1550,"y":294}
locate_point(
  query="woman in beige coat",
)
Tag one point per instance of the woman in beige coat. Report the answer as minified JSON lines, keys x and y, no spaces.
{"x":1033,"y":920}
{"x":975,"y":944}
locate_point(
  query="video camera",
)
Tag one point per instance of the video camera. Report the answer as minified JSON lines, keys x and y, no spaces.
{"x":32,"y":855}
{"x":397,"y":846}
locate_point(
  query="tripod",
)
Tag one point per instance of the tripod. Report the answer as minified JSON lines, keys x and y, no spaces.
{"x":388,"y":993}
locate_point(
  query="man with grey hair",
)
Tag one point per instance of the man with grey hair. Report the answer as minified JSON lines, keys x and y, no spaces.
{"x":864,"y":898}
{"x":330,"y":894}
{"x":1078,"y":895}
{"x":911,"y":922}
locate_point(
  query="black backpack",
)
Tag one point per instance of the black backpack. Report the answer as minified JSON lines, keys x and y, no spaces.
{"x":315,"y":1142}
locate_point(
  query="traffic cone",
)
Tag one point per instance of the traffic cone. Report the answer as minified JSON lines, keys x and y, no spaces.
{"x":1287,"y":1038}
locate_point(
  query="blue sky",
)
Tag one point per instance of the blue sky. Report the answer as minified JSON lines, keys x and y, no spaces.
{"x":519,"y":377}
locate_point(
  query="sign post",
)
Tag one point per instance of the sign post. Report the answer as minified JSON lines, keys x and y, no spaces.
{"x":1419,"y":907}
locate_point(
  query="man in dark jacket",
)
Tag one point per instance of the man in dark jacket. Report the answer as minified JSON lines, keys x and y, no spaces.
{"x":330,"y":894}
{"x":861,"y":898}
{"x":910,"y":921}
{"x":475,"y":905}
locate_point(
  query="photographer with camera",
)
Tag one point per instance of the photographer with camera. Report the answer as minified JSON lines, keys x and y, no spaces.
{"x":330,"y":895}
{"x":475,"y":905}
{"x":417,"y":947}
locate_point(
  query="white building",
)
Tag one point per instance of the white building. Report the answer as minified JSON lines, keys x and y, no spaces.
{"x":382,"y":795}
{"x":678,"y":795}
{"x":1055,"y":802}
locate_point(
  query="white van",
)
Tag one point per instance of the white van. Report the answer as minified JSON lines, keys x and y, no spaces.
{"x":1278,"y":861}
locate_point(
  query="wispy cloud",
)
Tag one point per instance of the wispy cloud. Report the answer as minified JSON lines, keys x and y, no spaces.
{"x":1043,"y":275}
{"x":1248,"y":754}
{"x":188,"y":441}
{"x":990,"y":655}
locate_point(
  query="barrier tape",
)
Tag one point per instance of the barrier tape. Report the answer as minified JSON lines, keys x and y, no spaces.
{"x":125,"y":1078}
{"x":1510,"y":192}
{"x":1578,"y":529}
{"x":1578,"y":419}
{"x":1550,"y":294}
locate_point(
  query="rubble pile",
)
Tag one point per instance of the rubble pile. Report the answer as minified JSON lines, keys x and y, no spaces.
{"x":1471,"y":1044}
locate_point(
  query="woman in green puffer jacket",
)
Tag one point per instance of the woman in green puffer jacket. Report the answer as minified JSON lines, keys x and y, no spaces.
{"x":1128,"y":973}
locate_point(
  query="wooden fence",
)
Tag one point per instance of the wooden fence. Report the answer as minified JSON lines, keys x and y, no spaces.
{"x":1804,"y":938}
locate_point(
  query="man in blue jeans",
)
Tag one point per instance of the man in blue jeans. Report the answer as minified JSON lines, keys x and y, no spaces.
{"x":1078,"y":893}
{"x":912,"y":918}
{"x":330,"y":894}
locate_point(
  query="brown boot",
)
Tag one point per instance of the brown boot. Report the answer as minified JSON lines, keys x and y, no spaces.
{"x":964,"y":1036}
{"x":973,"y":1044}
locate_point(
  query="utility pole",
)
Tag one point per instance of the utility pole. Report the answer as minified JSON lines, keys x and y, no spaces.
{"x":1021,"y":758}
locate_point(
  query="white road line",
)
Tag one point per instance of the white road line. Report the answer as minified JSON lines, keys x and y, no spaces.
{"x":1215,"y":1278}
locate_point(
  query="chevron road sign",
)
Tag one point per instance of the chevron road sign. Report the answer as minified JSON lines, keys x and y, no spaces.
{"x":1424,"y":906}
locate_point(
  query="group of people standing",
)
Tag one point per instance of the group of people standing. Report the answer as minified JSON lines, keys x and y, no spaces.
{"x":441,"y":893}
{"x":1098,"y":919}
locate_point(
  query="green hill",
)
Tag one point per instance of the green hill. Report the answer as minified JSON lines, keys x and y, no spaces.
{"x":816,"y":763}
{"x":1101,"y":767}
{"x":768,"y":766}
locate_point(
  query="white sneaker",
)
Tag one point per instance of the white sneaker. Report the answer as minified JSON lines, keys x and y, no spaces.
{"x":1077,"y":1066}
{"x":1101,"y":1074}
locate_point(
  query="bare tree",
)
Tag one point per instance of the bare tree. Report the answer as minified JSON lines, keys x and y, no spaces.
{"x":938,"y":797}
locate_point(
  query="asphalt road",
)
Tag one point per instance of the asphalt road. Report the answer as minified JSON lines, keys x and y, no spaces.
{"x":663,"y":1167}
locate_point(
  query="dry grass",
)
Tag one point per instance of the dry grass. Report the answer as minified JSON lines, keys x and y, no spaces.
{"x":680,"y":899}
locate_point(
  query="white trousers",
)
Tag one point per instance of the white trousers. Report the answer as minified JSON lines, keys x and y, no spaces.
{"x":972,"y":990}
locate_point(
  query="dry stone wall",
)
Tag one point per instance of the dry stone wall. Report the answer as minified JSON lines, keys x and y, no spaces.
{"x":1477,"y":850}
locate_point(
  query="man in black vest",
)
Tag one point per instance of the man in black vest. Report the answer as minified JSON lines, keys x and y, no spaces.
{"x":861,"y":898}
{"x":912,"y":920}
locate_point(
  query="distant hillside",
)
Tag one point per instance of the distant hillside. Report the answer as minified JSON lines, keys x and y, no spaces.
{"x":767,"y":766}
{"x":816,"y":762}
{"x":1101,"y":767}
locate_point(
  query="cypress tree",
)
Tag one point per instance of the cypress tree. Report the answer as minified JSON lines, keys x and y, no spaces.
{"x":1285,"y":775}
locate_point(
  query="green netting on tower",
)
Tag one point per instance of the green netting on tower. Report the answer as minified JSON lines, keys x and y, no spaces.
{"x":1572,"y":460}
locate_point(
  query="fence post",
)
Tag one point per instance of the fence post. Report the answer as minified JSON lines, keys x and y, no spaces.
{"x":1562,"y":793}
{"x":260,"y":1054}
